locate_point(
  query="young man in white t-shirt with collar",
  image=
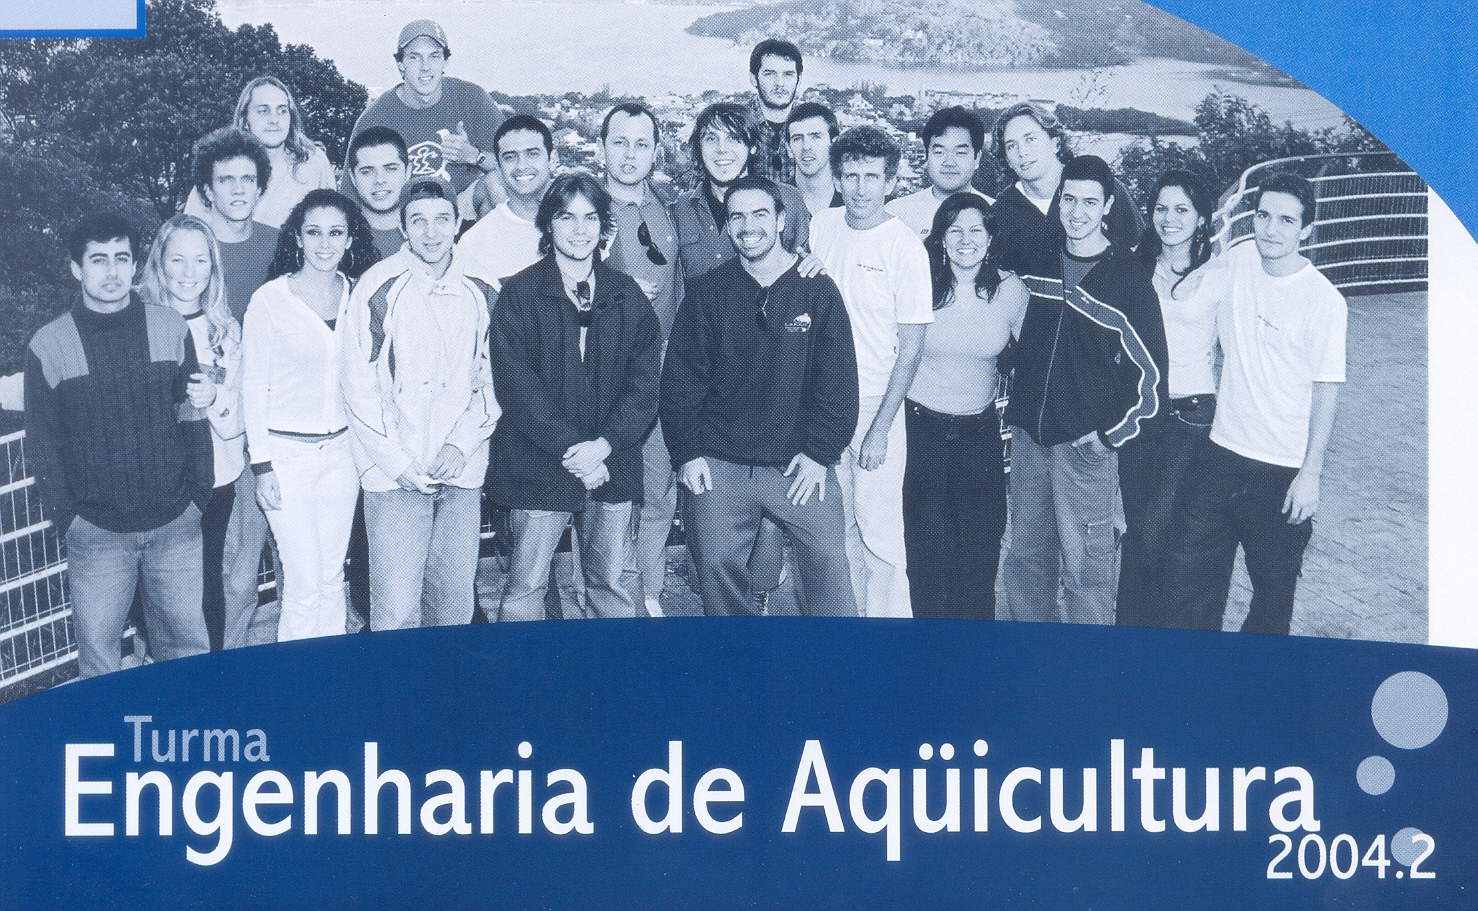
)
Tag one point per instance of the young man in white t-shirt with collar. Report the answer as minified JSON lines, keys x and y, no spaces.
{"x":1282,"y":332}
{"x":880,"y":266}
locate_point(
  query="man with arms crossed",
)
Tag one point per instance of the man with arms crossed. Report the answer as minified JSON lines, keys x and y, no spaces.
{"x":418,"y":387}
{"x":1089,"y":374}
{"x":505,"y":241}
{"x":953,"y":140}
{"x":759,"y":398}
{"x":645,"y":248}
{"x":577,"y":361}
{"x":1282,"y":332}
{"x":379,"y":166}
{"x":121,"y":456}
{"x":775,"y":73}
{"x":880,"y":266}
{"x":810,"y":131}
{"x":447,"y":124}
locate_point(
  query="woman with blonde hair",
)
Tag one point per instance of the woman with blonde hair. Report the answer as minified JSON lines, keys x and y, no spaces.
{"x":267,"y":110}
{"x":183,"y":273}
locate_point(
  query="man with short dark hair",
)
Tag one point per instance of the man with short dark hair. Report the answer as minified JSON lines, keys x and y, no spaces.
{"x":645,"y":248}
{"x":1282,"y":332}
{"x":231,"y":169}
{"x":378,"y":166}
{"x":880,"y":266}
{"x":775,"y":72}
{"x":505,"y":240}
{"x":122,"y":456}
{"x":447,"y":124}
{"x":418,"y":388}
{"x":1032,"y":146}
{"x":759,"y":398}
{"x":953,"y":140}
{"x":1090,"y":373}
{"x":576,"y":358}
{"x":809,"y":133}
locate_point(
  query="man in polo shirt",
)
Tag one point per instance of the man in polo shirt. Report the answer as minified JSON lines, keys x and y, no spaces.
{"x":775,"y":72}
{"x":953,"y":140}
{"x":505,"y":241}
{"x":231,"y":170}
{"x":810,"y":131}
{"x":759,"y":399}
{"x":645,"y":248}
{"x":379,"y":166}
{"x":418,"y":387}
{"x":1282,"y":332}
{"x":447,"y":124}
{"x":121,"y":455}
{"x":1090,"y":373}
{"x":880,"y":266}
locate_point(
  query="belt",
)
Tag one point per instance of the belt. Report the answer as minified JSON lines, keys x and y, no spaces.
{"x":309,"y":437}
{"x":1193,"y":401}
{"x":954,"y":424}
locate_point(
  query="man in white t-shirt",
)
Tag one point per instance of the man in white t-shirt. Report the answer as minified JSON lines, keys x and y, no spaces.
{"x":505,"y":241}
{"x":953,"y":140}
{"x":1256,"y":482}
{"x":880,"y":266}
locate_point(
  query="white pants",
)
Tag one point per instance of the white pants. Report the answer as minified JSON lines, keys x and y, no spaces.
{"x":873,"y":504}
{"x":319,"y":487}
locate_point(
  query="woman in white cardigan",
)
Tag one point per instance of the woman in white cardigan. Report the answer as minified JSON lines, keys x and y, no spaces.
{"x":295,"y":420}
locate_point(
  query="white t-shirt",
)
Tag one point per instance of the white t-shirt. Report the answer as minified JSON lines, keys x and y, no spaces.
{"x":499,"y":245}
{"x":917,"y":209}
{"x":1279,"y":336}
{"x":883,"y":274}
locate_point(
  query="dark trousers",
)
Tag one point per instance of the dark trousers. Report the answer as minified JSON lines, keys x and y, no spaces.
{"x":954,"y":512}
{"x":722,"y":524}
{"x":1235,"y":500}
{"x":213,"y":524}
{"x":1154,"y":473}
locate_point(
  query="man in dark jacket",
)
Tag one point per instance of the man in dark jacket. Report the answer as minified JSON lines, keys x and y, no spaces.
{"x":1090,"y":371}
{"x":117,"y":436}
{"x":759,"y":398}
{"x":576,"y":352}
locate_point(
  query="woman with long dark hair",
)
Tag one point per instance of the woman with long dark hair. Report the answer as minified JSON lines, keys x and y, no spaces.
{"x":954,"y":487}
{"x":1152,"y":469}
{"x":295,"y":419}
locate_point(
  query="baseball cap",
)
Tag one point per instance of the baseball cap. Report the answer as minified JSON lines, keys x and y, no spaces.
{"x":422,"y":28}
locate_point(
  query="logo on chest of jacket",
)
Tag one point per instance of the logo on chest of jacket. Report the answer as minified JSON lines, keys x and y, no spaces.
{"x":799,"y":324}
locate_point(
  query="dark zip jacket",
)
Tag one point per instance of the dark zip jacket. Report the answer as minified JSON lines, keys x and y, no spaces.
{"x":1023,"y":233}
{"x":552,"y":400}
{"x":1090,"y":358}
{"x":757,"y":395}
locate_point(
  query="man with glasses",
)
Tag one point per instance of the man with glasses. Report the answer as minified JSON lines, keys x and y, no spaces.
{"x":645,"y":248}
{"x":759,"y":400}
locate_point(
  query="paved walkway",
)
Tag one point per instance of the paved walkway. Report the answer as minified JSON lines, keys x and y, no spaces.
{"x":1365,"y":571}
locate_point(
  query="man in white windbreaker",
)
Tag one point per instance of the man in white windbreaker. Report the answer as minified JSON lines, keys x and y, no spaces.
{"x":419,"y":391}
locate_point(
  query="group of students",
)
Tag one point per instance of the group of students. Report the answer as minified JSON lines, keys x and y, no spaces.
{"x":815,"y":366}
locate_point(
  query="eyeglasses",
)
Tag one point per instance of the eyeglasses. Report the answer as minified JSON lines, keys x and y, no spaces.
{"x":583,"y":311}
{"x":644,"y":237}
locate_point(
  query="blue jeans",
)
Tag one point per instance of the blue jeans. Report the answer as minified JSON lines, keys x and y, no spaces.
{"x":1154,"y":474}
{"x":722,"y":524}
{"x":104,"y":567}
{"x":659,"y":503}
{"x":423,"y":556}
{"x":1064,"y":505}
{"x":605,"y":539}
{"x":246,"y":535}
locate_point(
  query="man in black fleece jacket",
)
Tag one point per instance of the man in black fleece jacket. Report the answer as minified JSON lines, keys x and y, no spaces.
{"x":1090,"y":372}
{"x":759,"y":398}
{"x":122,"y":456}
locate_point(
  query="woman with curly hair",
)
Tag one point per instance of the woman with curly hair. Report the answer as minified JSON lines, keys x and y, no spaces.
{"x":295,"y":419}
{"x":267,"y":110}
{"x":954,"y":486}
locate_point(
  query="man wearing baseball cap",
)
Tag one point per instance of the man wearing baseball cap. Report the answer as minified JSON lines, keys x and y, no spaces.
{"x":447,"y":123}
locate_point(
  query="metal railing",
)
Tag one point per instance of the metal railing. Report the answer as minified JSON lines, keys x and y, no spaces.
{"x":1370,"y":223}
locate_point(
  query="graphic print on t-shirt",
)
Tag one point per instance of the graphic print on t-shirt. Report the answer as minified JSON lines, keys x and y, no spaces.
{"x":426,"y":161}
